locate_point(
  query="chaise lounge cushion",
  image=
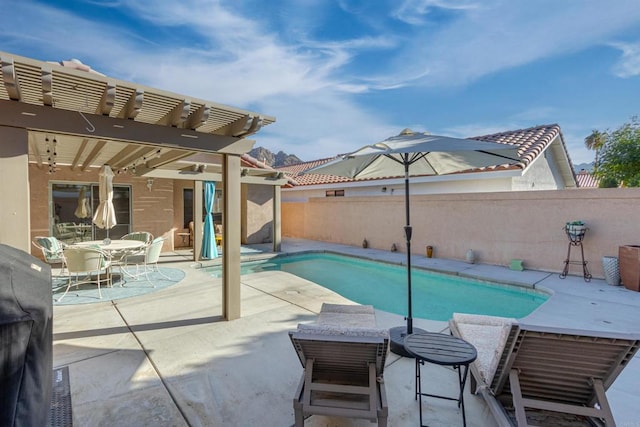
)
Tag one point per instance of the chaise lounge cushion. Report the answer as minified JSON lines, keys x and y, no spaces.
{"x":488,"y":334}
{"x":348,"y":331}
{"x":359,"y":316}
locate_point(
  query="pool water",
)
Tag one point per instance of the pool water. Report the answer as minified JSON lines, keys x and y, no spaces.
{"x":435,"y":296}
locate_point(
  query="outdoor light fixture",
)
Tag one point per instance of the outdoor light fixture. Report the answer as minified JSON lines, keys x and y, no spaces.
{"x":149,"y":183}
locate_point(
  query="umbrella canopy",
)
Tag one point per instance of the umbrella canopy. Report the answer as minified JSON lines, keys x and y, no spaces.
{"x":105,"y":216}
{"x":418,"y":154}
{"x":426,"y":154}
{"x":82,"y":210}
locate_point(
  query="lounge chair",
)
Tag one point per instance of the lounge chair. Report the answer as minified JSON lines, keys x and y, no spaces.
{"x":343,"y":368}
{"x":553,"y":370}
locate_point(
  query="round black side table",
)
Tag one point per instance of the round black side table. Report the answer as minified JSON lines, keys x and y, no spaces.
{"x":441,"y":349}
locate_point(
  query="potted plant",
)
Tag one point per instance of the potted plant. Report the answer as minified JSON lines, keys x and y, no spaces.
{"x":575,"y":229}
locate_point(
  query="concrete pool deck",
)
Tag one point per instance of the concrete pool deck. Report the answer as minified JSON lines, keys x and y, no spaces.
{"x":168,"y":358}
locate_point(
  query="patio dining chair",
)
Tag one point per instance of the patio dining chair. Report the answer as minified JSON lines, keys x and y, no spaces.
{"x":146,"y":262}
{"x":118,"y":257}
{"x":544,"y":370}
{"x":143,"y":236}
{"x":51,"y":249}
{"x":85,"y":262}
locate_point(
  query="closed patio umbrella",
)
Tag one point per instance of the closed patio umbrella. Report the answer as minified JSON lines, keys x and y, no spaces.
{"x":105,"y":215}
{"x":209,"y":248}
{"x":82,"y":210}
{"x":423,"y":154}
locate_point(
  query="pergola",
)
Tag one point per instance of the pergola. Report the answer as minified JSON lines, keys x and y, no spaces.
{"x":135,"y":129}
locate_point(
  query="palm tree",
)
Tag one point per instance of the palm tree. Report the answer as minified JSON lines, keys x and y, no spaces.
{"x":595,"y":141}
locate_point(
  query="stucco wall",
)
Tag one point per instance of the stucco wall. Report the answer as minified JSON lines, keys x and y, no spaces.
{"x":419,"y":185}
{"x":541,"y":175}
{"x":497,"y":226}
{"x":257,"y":223}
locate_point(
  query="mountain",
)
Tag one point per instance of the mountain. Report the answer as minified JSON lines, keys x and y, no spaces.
{"x":586,"y":166}
{"x":274,"y":160}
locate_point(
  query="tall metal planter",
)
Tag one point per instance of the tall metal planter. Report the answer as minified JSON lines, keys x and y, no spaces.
{"x":611,"y":268}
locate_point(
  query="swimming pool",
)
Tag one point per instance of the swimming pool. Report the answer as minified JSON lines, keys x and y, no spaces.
{"x":435,"y":296}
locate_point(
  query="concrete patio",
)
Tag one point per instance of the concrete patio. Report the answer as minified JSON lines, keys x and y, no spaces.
{"x":168,"y":359}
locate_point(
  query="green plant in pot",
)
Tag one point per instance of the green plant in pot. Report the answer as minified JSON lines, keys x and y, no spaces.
{"x":575,"y":228}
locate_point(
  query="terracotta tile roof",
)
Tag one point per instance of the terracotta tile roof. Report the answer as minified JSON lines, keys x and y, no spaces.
{"x":586,"y":180}
{"x":296,"y":170}
{"x":531,"y":141}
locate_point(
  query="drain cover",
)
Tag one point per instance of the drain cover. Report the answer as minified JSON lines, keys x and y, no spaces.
{"x":60,"y":413}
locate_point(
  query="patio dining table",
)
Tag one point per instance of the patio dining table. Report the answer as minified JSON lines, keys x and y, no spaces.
{"x":112,"y":246}
{"x":116,"y":249}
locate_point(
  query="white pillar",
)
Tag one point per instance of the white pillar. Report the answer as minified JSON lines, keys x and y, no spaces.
{"x":231,"y":237}
{"x":277,"y":218}
{"x":15,"y":216}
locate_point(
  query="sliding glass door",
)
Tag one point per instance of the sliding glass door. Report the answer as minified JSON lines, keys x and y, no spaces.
{"x":72,"y":208}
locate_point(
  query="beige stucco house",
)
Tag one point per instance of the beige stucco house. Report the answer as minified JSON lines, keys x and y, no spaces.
{"x":544,"y":165}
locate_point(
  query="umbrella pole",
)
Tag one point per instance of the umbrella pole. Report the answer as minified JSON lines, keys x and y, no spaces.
{"x":398,"y":333}
{"x":407,"y":233}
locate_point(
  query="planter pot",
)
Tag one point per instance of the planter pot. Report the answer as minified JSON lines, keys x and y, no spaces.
{"x":629,"y":263}
{"x":611,"y":269}
{"x":575,"y":231}
{"x":429,"y":251}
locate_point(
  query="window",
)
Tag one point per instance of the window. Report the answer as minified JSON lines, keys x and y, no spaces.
{"x":334,"y":193}
{"x":72,"y":208}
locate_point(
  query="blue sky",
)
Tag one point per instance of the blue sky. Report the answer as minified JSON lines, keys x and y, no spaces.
{"x":341,"y":74}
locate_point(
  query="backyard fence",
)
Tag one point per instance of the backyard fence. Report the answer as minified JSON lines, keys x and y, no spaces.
{"x":498,"y":227}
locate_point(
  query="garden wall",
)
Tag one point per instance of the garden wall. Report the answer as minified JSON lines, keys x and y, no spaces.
{"x":498,"y":227}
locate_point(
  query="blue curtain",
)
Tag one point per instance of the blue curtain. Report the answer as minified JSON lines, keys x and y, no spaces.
{"x":209,"y":248}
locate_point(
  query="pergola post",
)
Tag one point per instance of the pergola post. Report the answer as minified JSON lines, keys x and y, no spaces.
{"x":277,"y":216}
{"x":231,"y":236}
{"x":15,"y":215}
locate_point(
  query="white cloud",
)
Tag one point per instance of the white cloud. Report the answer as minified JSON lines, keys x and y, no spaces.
{"x":498,"y":35}
{"x":629,"y":64}
{"x":323,"y":126}
{"x":239,"y":56}
{"x":415,"y":12}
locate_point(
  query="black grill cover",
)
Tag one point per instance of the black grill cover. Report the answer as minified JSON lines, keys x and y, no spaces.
{"x":26,"y":364}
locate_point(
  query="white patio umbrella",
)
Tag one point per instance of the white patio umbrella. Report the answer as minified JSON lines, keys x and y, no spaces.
{"x":105,"y":215}
{"x":82,"y":210}
{"x":420,"y":154}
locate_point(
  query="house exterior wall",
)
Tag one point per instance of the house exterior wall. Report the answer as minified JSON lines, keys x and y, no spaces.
{"x":257,"y":221}
{"x":152,"y":209}
{"x":500,"y":226}
{"x":394,"y":187}
{"x":541,"y":175}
